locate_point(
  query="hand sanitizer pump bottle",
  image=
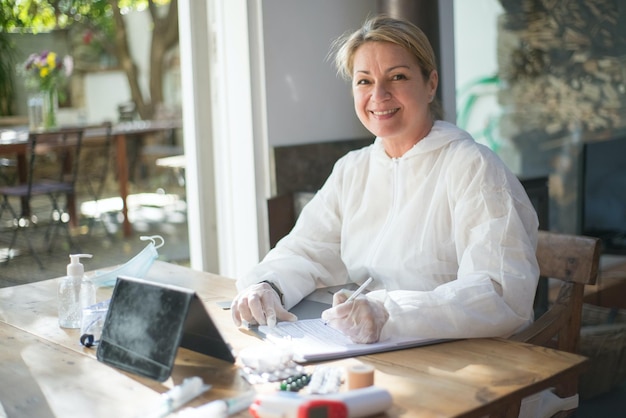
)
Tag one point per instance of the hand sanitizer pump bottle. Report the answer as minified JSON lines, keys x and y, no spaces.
{"x":70,"y":309}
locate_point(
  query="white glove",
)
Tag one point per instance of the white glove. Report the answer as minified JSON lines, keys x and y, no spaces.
{"x":259,"y":304}
{"x":361,"y":319}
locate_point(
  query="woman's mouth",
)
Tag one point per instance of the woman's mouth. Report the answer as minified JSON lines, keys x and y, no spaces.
{"x":384,"y":112}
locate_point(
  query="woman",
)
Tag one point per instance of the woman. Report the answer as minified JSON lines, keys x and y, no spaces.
{"x":446,"y":231}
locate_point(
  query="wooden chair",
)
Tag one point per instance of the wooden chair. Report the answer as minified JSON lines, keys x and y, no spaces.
{"x":281,"y":215}
{"x":574,"y":260}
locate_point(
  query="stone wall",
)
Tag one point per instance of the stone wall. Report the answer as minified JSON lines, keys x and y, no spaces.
{"x":562,"y":66}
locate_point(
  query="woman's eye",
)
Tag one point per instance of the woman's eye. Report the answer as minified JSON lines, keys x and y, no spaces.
{"x":361,"y":82}
{"x":399,"y":77}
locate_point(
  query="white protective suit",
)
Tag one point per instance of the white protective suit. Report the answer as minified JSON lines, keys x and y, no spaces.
{"x":446,"y":231}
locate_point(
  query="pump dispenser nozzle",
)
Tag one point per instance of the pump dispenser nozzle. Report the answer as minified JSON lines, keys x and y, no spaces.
{"x":75,"y":268}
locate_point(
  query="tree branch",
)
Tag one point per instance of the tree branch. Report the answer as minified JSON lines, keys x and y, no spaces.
{"x":171,"y":24}
{"x":125,"y":59}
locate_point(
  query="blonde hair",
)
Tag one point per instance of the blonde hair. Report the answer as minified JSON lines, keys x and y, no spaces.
{"x":382,"y":28}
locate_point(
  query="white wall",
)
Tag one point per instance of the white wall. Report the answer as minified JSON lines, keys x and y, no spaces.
{"x":104,"y":91}
{"x":306,"y":101}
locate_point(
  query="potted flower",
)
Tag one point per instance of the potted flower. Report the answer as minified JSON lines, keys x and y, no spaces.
{"x":46,"y":72}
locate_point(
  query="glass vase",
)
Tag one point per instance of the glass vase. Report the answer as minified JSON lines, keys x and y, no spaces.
{"x":50,"y":107}
{"x":42,"y":110}
{"x":35,"y":111}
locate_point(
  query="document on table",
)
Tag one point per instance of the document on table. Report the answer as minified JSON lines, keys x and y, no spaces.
{"x":313,"y":340}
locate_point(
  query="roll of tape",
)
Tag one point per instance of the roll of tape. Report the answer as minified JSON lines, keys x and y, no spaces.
{"x":360,"y":376}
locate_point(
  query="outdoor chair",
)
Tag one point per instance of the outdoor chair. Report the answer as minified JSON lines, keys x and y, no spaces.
{"x":94,"y":173}
{"x":573,"y":262}
{"x":49,"y":191}
{"x":8,"y":173}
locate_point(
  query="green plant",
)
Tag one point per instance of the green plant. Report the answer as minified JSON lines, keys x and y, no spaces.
{"x":471,"y":94}
{"x":7,"y":68}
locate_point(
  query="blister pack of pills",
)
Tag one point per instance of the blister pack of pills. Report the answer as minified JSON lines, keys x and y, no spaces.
{"x":268,"y":364}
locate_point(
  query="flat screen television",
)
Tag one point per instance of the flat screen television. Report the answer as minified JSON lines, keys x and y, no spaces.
{"x":603,"y":193}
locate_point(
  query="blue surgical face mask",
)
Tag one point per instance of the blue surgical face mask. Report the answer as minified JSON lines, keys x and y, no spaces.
{"x":137,"y":266}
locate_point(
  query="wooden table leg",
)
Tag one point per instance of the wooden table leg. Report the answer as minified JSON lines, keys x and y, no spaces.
{"x":22,"y":178}
{"x":70,"y":197}
{"x":122,"y":179}
{"x":71,"y":209}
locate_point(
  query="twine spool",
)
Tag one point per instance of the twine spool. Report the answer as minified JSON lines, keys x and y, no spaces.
{"x":360,"y":376}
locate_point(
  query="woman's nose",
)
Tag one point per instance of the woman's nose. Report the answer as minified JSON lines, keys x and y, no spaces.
{"x":380,"y":92}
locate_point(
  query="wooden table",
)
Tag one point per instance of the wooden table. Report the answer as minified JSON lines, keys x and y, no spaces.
{"x":122,"y":132}
{"x":15,"y":142}
{"x":52,"y":375}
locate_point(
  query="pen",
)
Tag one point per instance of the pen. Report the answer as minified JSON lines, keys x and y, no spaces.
{"x":355,"y":294}
{"x":359,"y":290}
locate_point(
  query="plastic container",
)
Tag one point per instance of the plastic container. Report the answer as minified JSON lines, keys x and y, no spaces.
{"x":87,"y":292}
{"x":70,"y":308}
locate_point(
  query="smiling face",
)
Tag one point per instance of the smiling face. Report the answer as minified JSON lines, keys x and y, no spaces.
{"x":391,"y":95}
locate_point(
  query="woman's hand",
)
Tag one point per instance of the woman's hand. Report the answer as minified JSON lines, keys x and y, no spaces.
{"x":259,"y":304}
{"x":361,"y":319}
